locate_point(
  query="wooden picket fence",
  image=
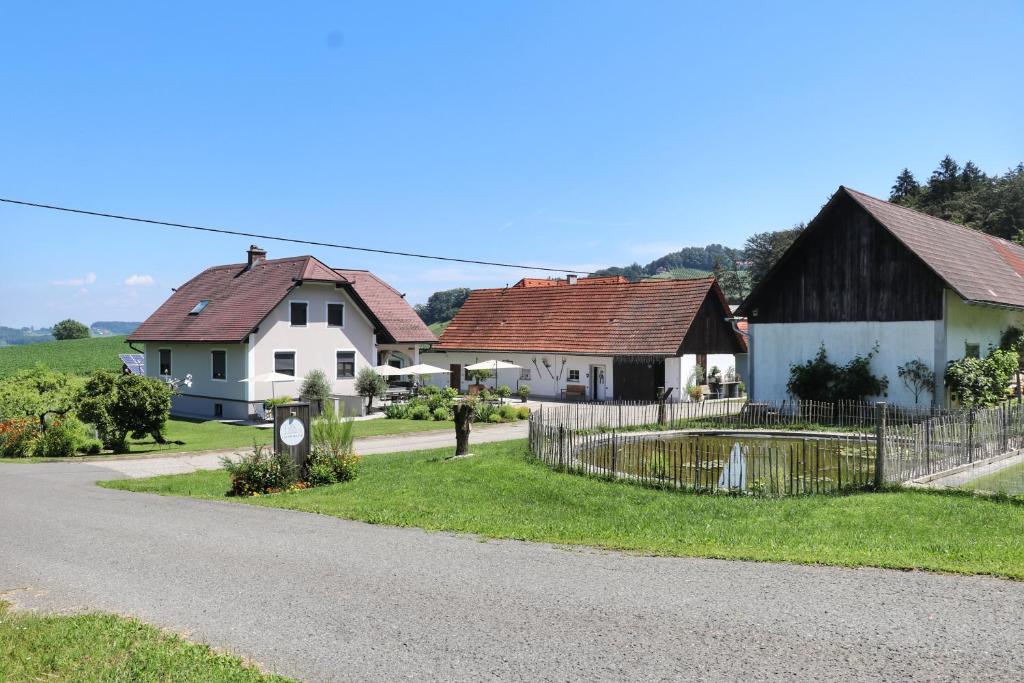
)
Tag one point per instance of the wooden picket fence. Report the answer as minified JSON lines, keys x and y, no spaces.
{"x":945,"y":442}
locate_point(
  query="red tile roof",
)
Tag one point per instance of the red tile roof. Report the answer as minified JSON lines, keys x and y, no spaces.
{"x":390,"y":307}
{"x":977,"y":266}
{"x":620,"y":318}
{"x":241,"y":298}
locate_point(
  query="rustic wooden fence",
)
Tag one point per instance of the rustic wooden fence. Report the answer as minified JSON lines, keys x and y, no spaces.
{"x":704,"y":462}
{"x":729,"y":413}
{"x":877,"y":444}
{"x":945,"y":442}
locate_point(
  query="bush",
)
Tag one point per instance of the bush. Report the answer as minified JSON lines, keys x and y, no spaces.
{"x":320,"y":472}
{"x":397,"y":411}
{"x":315,"y":387}
{"x":419,"y":412}
{"x":122,"y":405}
{"x":524,"y":392}
{"x":523,"y":413}
{"x":484,"y":411}
{"x":977,"y":382}
{"x":494,"y":417}
{"x":270,"y":403}
{"x":508,"y":413}
{"x":331,"y":434}
{"x":441,"y":414}
{"x":61,"y":439}
{"x":428,"y":390}
{"x":821,"y":380}
{"x":370,"y":385}
{"x":91,"y":447}
{"x":503,"y":392}
{"x":260,"y":471}
{"x":17,"y":437}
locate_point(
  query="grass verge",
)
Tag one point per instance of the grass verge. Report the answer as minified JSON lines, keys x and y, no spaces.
{"x":105,"y":647}
{"x":502,"y":493}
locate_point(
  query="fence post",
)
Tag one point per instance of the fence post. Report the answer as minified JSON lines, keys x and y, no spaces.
{"x":561,"y":445}
{"x":970,"y":435}
{"x":615,"y":454}
{"x":879,"y":444}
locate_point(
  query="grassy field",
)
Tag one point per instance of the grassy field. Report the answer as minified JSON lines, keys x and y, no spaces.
{"x":76,"y":356}
{"x":502,"y":493}
{"x":188,"y":436}
{"x":438,"y":328}
{"x":104,"y":647}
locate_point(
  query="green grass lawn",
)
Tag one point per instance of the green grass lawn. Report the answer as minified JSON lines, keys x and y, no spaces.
{"x":190,"y":435}
{"x":1009,"y":480}
{"x":104,"y":647}
{"x":439,"y":328}
{"x":502,"y":493}
{"x":76,"y":356}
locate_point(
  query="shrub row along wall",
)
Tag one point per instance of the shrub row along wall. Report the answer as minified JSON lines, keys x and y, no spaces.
{"x":710,"y":462}
{"x":945,"y":442}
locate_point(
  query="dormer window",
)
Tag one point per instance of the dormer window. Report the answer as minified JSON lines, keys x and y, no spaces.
{"x":199,"y":307}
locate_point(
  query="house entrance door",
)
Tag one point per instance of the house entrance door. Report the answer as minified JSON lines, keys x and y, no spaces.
{"x":455,"y":378}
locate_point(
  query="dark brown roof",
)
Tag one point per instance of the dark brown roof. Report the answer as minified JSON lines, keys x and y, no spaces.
{"x":641,"y":318}
{"x":390,"y":307}
{"x":977,"y":266}
{"x":240,"y":298}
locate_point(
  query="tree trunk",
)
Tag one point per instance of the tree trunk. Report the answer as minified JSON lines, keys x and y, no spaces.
{"x":463,"y":420}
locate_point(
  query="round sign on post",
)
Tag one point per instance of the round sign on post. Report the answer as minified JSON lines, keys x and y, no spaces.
{"x":292,"y":432}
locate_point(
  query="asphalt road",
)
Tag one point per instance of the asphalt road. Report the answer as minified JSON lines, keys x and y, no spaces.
{"x":324,"y":599}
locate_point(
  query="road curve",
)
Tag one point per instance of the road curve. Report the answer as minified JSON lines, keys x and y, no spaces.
{"x":323,"y":599}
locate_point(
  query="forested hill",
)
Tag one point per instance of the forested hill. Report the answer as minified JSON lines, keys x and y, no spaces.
{"x":991,"y":203}
{"x":702,"y":259}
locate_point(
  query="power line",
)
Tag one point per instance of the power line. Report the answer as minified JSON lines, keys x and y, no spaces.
{"x":293,"y":240}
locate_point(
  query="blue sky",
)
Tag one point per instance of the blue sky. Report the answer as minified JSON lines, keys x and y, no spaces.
{"x":568,"y":134}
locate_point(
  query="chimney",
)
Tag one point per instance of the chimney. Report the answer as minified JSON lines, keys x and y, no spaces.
{"x":571,"y":278}
{"x":256,"y":255}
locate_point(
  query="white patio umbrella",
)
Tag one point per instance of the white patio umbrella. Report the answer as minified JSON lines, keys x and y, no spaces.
{"x":390,"y":371}
{"x":424,"y":369}
{"x":272,"y":377}
{"x":494,"y":365}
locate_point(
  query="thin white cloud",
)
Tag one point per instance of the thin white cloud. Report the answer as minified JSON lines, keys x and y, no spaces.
{"x":87,"y":279}
{"x":139,"y":280}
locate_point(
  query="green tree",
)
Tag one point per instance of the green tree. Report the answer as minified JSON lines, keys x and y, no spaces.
{"x":70,"y":329}
{"x":37,"y":393}
{"x":764,"y":249}
{"x":370,"y":385}
{"x":978,"y":382}
{"x":906,"y":188}
{"x":315,"y":387}
{"x":125,"y":405}
{"x":442,"y":306}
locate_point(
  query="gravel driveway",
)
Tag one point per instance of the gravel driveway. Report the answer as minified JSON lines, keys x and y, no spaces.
{"x":324,"y":599}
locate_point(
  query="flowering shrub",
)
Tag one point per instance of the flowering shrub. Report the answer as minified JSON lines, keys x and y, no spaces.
{"x":62,"y":438}
{"x":17,"y":437}
{"x":259,"y":472}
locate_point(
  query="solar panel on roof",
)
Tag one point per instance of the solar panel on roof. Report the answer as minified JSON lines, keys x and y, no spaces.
{"x":135,"y":362}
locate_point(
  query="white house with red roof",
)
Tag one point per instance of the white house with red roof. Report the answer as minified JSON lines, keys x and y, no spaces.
{"x":234,"y":322}
{"x":593,"y":338}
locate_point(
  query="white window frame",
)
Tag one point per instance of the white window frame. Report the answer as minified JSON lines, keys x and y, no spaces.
{"x":273,"y":359}
{"x":569,"y":377}
{"x":297,"y":301}
{"x":170,"y":362}
{"x":524,"y":375}
{"x":327,"y":314}
{"x":355,"y":364}
{"x":219,"y":379}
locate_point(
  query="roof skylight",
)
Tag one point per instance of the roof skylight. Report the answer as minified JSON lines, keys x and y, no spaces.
{"x":199,"y":307}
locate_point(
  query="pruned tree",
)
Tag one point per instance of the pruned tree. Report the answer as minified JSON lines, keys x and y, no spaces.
{"x":465,"y":411}
{"x":917,"y":377}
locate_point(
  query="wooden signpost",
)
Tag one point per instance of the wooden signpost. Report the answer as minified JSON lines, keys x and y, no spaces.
{"x":292,"y":432}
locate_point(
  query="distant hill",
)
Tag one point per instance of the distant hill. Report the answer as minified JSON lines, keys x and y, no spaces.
{"x":77,"y":356}
{"x":107,"y":328}
{"x":439,"y":327}
{"x":23,"y":335}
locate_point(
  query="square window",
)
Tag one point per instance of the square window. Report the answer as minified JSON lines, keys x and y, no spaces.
{"x":335,"y":315}
{"x":298,"y":313}
{"x":574,"y":375}
{"x":346,"y":361}
{"x":524,"y":373}
{"x":284,"y":362}
{"x":165,"y":362}
{"x":219,"y":361}
{"x":972,"y":351}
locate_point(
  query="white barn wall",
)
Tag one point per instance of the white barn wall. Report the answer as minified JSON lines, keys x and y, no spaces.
{"x":975,"y":324}
{"x":777,"y":346}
